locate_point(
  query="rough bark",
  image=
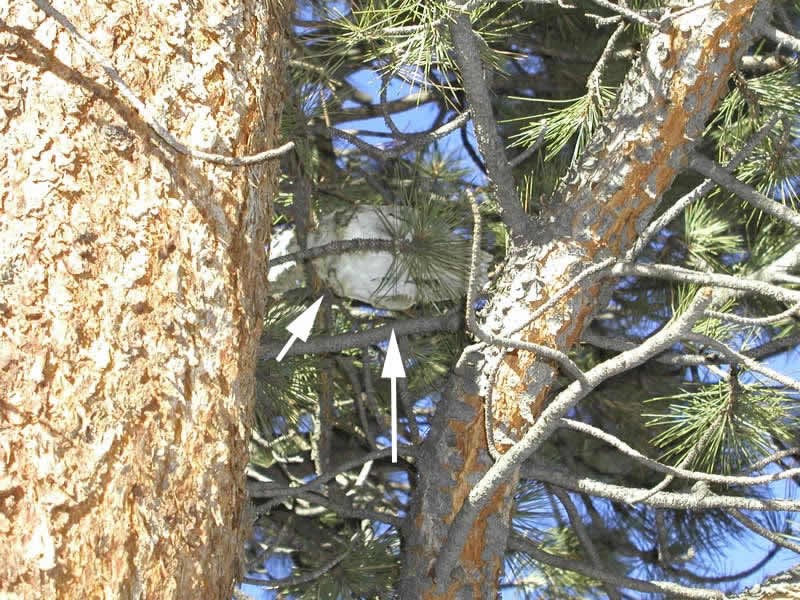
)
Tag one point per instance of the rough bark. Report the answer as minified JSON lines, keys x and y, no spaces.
{"x":596,"y":213}
{"x":133,"y":287}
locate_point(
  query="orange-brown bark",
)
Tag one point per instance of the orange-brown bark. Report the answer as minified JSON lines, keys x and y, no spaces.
{"x":133,"y":287}
{"x":596,"y":213}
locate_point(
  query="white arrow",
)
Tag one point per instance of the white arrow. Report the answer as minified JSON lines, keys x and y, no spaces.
{"x":300,"y":327}
{"x":393,"y":368}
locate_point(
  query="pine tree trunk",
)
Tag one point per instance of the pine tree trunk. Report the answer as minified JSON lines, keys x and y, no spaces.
{"x":596,"y":213}
{"x":133,"y":288}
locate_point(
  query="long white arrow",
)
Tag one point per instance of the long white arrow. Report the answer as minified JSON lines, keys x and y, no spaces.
{"x":300,"y":327}
{"x":392,"y":369}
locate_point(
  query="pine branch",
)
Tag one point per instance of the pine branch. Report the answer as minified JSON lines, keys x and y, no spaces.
{"x":548,"y":422}
{"x":679,"y":471}
{"x":521,"y":544}
{"x":467,"y":56}
{"x":699,"y":499}
{"x":781,"y":38}
{"x":583,"y":535}
{"x":723,"y":178}
{"x":450,"y":321}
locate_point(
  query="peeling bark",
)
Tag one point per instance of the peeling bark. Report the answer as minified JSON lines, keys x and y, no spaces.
{"x":596,"y":213}
{"x":133,"y":288}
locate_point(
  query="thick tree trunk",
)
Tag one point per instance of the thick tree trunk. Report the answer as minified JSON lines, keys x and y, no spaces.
{"x":597,"y":213}
{"x":133,"y":287}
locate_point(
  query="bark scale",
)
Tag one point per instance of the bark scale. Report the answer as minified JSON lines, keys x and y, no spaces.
{"x":133,"y":289}
{"x":596,"y":213}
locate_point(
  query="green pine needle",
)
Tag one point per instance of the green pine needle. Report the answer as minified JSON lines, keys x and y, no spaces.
{"x":574,"y":122}
{"x":709,"y":237}
{"x":438,"y":259}
{"x":743,"y":418}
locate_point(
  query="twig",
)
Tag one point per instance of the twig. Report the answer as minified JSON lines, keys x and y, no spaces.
{"x":269,"y":549}
{"x":347,"y":510}
{"x":358,"y":393}
{"x":551,"y":473}
{"x":583,"y":535}
{"x":257,"y":490}
{"x":781,"y":38}
{"x":450,"y":321}
{"x":761,"y":321}
{"x":414,"y":140}
{"x":739,"y":358}
{"x":142,"y":110}
{"x":722,"y":177}
{"x":593,"y":82}
{"x":298,"y":579}
{"x":764,"y":532}
{"x":467,"y":57}
{"x":528,"y":152}
{"x":629,"y":14}
{"x":521,"y":544}
{"x":717,"y":280}
{"x":369,"y":390}
{"x":756,"y":466}
{"x":548,"y":421}
{"x":730,"y":480}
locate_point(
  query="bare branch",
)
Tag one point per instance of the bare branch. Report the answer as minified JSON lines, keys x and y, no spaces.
{"x":761,"y":321}
{"x":521,"y":544}
{"x":739,"y":358}
{"x":773,"y":457}
{"x":718,"y":280}
{"x":764,"y":532}
{"x":550,"y":473}
{"x":548,"y":421}
{"x":781,"y":38}
{"x":272,"y":490}
{"x":450,"y":321}
{"x":722,"y":177}
{"x":593,"y":82}
{"x":631,"y":15}
{"x":530,"y":150}
{"x":583,"y":535}
{"x":730,"y":480}
{"x":467,"y":56}
{"x":415,"y":141}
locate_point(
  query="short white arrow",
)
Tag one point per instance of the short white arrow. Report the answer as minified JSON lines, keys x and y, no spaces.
{"x":300,"y":327}
{"x":392,"y":369}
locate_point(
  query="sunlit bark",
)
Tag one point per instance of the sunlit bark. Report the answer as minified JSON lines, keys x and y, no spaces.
{"x":133,"y":286}
{"x":596,"y":213}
